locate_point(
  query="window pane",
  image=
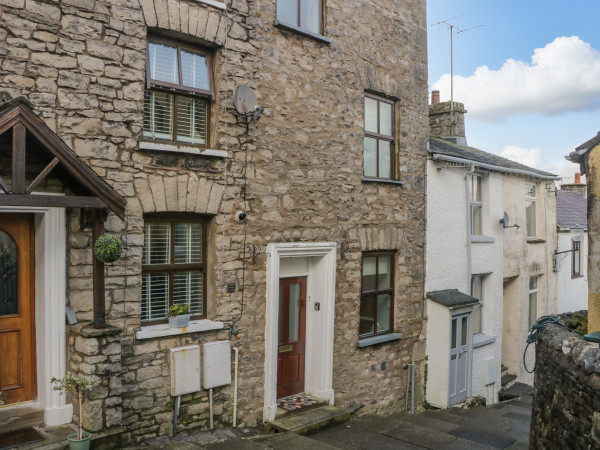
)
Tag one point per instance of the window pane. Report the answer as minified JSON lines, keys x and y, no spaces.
{"x":294,"y":316}
{"x":157,"y":243}
{"x":476,"y":220}
{"x":155,"y":296}
{"x":367,"y":315}
{"x":191,"y":120}
{"x":477,"y":287}
{"x":163,"y":63}
{"x":9,"y":275}
{"x":464,"y":330}
{"x":477,"y":319}
{"x":385,"y":159}
{"x":194,"y":70}
{"x":532,"y":308}
{"x":533,"y":283}
{"x":370,"y":157}
{"x":383,"y":312}
{"x":576,"y":258}
{"x":310,"y":15}
{"x":475,"y":188}
{"x":384,"y":273}
{"x":530,"y":214}
{"x":158,"y":115}
{"x":371,"y":115}
{"x":188,"y":243}
{"x":369,"y":274}
{"x":530,"y":190}
{"x":454,"y":341}
{"x":385,"y":118}
{"x":287,"y":11}
{"x":187,"y":289}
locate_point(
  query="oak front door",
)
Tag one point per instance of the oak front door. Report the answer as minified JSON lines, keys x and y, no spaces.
{"x":17,"y":341}
{"x":292,"y":328}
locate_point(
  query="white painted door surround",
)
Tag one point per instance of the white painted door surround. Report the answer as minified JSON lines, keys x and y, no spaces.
{"x":50,"y":294}
{"x":316,"y":261}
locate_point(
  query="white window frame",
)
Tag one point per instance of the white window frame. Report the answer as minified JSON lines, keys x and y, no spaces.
{"x":531,"y":199}
{"x":576,"y":242}
{"x":533,"y":292}
{"x":474,"y":203}
{"x":297,"y":23}
{"x":478,"y":309}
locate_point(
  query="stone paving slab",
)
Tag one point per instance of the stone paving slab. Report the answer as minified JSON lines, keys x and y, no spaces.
{"x":357,"y":438}
{"x":483,"y":437}
{"x":421,"y":436}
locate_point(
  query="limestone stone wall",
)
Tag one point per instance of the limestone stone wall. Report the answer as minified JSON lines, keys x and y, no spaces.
{"x":566,"y":409}
{"x":298,"y":172}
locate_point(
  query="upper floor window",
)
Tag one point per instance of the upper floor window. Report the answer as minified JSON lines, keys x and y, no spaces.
{"x":304,"y":14}
{"x":530,"y":198}
{"x":477,"y":292}
{"x":476,"y":204}
{"x":576,"y":258}
{"x":178,"y":90}
{"x":173,"y":266}
{"x":379,"y":143}
{"x":377,"y":296}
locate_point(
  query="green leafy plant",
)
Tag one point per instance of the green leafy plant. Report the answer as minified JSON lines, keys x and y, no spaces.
{"x":179,"y":310}
{"x":108,"y":248}
{"x":77,"y":385}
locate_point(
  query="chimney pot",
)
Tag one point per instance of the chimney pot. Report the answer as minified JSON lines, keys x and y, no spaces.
{"x":435,"y":97}
{"x":577,"y":178}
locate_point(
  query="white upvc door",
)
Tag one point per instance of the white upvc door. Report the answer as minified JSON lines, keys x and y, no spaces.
{"x":460,"y":358}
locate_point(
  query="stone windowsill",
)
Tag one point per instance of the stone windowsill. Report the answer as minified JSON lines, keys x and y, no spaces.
{"x":382,"y":180}
{"x":480,"y":340}
{"x":480,"y":239}
{"x":367,"y":342}
{"x":302,"y":31}
{"x":219,"y":5}
{"x":172,"y":148}
{"x":535,"y":241}
{"x":162,"y":330}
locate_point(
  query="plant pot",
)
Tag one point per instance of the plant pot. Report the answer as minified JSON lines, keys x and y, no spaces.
{"x":76,"y":444}
{"x":180,"y":321}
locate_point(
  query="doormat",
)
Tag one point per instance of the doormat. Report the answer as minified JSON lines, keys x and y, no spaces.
{"x":19,"y":437}
{"x":295,"y":402}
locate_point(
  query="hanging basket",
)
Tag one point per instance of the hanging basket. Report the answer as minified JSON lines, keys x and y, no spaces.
{"x":108,"y":248}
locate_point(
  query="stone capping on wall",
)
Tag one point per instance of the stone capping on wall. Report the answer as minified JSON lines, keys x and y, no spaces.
{"x":162,"y":330}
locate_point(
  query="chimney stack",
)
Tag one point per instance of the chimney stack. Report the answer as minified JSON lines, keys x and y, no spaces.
{"x":445,"y":121}
{"x":435,"y":97}
{"x":577,"y":188}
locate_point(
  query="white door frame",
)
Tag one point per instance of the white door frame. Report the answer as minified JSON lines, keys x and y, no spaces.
{"x":319,"y":324}
{"x":469,"y":370}
{"x":50,"y":319}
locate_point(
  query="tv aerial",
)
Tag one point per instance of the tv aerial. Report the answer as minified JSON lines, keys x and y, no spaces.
{"x":246,"y":103}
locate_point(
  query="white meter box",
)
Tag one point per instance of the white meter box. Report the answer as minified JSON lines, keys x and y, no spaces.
{"x":185,"y":370}
{"x":217,"y":364}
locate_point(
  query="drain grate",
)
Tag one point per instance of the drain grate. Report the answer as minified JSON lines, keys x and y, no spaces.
{"x":184,"y":411}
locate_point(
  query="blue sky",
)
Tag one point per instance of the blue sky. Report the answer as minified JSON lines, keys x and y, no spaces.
{"x":530,"y":77}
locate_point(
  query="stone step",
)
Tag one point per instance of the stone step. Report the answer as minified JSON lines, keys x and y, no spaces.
{"x":283,"y":412}
{"x":515,"y":390}
{"x":20,"y":417}
{"x":311,"y":421}
{"x":503,"y":369}
{"x":508,"y":380}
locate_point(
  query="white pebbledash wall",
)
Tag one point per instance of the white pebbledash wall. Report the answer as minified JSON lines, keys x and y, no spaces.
{"x":447,"y":267}
{"x":524,"y":258}
{"x":572,"y":292}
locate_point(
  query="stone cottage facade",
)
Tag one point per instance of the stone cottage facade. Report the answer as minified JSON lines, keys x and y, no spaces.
{"x":331,"y":180}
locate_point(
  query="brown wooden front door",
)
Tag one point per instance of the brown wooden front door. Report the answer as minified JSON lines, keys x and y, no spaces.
{"x":292,"y":336}
{"x":17,"y":338}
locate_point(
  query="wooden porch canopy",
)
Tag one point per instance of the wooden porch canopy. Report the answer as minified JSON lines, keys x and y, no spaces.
{"x":37,"y":148}
{"x":29,"y":152}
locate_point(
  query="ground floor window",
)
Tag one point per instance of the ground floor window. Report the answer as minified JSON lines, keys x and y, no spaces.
{"x":173,"y":266}
{"x":377,"y":297}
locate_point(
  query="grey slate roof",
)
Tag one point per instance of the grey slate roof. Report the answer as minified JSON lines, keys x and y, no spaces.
{"x":443,"y":147}
{"x":578,"y":155}
{"x":451,"y":298}
{"x":571,"y":210}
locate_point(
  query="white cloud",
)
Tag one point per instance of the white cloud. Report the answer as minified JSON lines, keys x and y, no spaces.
{"x":562,"y":76}
{"x":536,"y":159}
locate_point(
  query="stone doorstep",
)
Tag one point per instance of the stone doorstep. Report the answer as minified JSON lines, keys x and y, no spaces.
{"x":56,"y":437}
{"x":20,"y":417}
{"x":508,"y":380}
{"x":284,"y":412}
{"x":312,"y":421}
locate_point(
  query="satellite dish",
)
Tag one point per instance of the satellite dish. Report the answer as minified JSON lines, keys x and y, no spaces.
{"x":504,"y":221}
{"x":244,"y":99}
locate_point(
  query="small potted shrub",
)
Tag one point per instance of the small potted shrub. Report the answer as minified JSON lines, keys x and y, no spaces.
{"x":179,"y":316}
{"x":77,"y":385}
{"x":108,"y":248}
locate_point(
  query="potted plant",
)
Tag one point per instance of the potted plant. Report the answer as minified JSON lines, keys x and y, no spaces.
{"x":179,"y":316}
{"x":108,"y":248}
{"x":77,"y":385}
